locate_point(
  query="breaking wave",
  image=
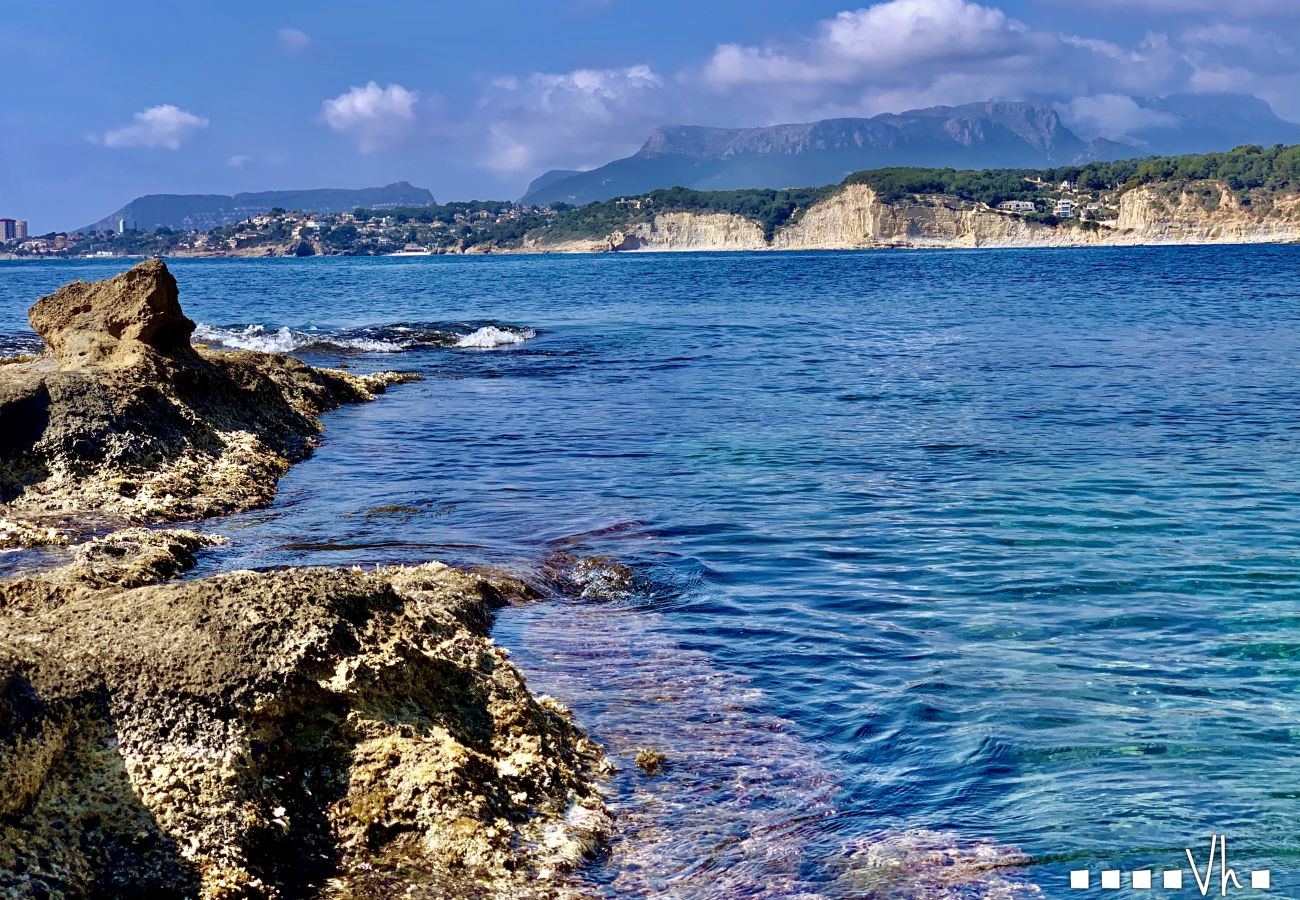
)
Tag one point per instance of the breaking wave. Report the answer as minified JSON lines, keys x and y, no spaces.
{"x":375,"y":339}
{"x":490,"y":336}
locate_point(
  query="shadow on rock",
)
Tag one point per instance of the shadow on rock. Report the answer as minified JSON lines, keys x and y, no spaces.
{"x":64,"y":782}
{"x":124,"y":418}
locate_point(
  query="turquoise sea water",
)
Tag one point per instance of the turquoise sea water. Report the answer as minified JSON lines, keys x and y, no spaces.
{"x":951,"y":571}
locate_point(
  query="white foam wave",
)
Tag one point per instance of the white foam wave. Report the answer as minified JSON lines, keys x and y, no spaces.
{"x":378,"y":339}
{"x":490,"y":336}
{"x":250,"y":337}
{"x":285,"y":340}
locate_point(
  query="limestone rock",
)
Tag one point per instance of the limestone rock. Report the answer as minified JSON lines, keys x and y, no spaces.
{"x":259,"y":734}
{"x":117,"y":322}
{"x":136,"y":426}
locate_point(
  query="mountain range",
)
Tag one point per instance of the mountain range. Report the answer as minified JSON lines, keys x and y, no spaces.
{"x":973,"y":136}
{"x":204,"y":211}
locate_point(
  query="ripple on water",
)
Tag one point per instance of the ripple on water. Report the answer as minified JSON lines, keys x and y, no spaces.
{"x":742,"y":808}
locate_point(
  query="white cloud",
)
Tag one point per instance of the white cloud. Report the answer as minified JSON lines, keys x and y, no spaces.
{"x":164,"y":126}
{"x":372,"y":116}
{"x":876,"y":40}
{"x":546,"y":119}
{"x":1112,"y":116}
{"x":901,"y":54}
{"x":238,"y":161}
{"x":294,"y":40}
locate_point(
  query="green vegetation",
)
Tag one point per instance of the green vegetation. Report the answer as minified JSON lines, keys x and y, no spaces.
{"x":769,"y":208}
{"x":991,"y":186}
{"x":1247,"y":168}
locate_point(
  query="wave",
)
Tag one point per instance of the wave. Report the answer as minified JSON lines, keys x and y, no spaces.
{"x":374,"y":339}
{"x":20,"y":344}
{"x":490,"y":336}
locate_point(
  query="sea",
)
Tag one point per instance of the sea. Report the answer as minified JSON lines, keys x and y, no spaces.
{"x":932,"y":574}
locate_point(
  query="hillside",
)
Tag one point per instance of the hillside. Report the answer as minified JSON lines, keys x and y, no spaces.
{"x":974,"y":136}
{"x":1251,"y":194}
{"x":204,"y":211}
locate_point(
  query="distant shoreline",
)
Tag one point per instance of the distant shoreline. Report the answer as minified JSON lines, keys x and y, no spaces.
{"x":651,"y":250}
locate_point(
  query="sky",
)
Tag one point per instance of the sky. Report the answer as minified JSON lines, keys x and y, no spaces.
{"x":105,"y":102}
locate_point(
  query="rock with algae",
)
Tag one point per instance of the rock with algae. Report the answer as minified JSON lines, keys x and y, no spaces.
{"x":125,"y":421}
{"x":310,"y":732}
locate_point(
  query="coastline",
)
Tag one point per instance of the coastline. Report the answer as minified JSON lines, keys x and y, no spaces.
{"x":855,"y":217}
{"x":251,"y":734}
{"x":600,"y":248}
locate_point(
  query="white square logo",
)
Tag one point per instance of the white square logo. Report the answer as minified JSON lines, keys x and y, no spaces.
{"x":1261,"y":879}
{"x":1079,"y":879}
{"x":1142,"y":880}
{"x":1172,"y":879}
{"x":1110,"y":879}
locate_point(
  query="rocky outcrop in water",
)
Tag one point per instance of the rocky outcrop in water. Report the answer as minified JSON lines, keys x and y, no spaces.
{"x":280,"y":734}
{"x":295,"y":733}
{"x":125,"y":421}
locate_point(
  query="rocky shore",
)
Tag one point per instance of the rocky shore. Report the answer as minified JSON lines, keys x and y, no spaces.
{"x":294,"y":733}
{"x":124,"y":421}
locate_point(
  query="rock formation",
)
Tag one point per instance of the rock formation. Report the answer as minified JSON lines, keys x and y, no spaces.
{"x":276,"y":735}
{"x":281,"y":734}
{"x":115,"y":323}
{"x":124,"y":421}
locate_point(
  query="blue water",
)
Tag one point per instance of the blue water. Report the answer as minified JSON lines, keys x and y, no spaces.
{"x":953,"y":571}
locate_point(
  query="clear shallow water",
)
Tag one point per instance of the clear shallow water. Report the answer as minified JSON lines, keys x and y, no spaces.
{"x":942,"y":557}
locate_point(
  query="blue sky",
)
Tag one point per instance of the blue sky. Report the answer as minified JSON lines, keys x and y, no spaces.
{"x":109,"y":101}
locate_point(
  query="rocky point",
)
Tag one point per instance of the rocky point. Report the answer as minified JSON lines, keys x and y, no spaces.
{"x":296,"y":733}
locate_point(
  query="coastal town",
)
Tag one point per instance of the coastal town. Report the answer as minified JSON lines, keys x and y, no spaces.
{"x":441,"y":228}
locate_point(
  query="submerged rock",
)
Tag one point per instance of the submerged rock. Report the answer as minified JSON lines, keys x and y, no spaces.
{"x":125,"y":420}
{"x":276,"y":734}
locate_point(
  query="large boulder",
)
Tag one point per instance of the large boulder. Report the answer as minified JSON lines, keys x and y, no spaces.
{"x":117,"y":322}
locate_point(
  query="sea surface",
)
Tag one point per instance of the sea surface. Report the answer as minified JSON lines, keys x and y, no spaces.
{"x":947,"y":572}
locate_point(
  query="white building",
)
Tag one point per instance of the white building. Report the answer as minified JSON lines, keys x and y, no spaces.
{"x":1065,"y":208}
{"x":1019,"y":206}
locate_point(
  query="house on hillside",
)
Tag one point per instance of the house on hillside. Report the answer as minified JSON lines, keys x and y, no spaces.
{"x":1065,"y":208}
{"x":1017,"y":206}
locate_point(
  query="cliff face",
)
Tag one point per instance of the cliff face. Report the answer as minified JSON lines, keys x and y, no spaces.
{"x":692,"y":231}
{"x":855,"y":218}
{"x":1209,"y":215}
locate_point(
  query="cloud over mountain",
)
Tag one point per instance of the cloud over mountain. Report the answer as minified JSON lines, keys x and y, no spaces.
{"x":530,"y":119}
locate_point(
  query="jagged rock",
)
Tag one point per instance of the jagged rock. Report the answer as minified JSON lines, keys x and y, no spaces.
{"x":116,"y":322}
{"x":128,"y":423}
{"x":254,"y":734}
{"x":281,"y":734}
